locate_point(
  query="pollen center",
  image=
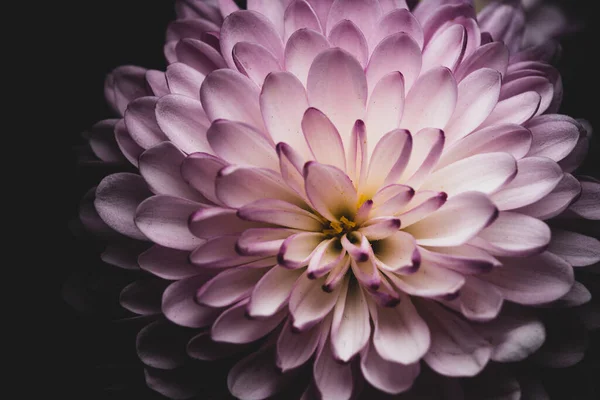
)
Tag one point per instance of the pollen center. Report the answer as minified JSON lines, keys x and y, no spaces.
{"x":339,"y":228}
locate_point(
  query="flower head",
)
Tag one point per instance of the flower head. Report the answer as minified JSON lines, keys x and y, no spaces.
{"x":352,"y":182}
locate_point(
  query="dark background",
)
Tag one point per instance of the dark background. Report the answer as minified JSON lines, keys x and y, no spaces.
{"x":100,"y":35}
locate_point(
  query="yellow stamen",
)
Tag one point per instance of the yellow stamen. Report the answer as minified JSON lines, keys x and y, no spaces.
{"x":361,"y":199}
{"x":347,"y":223}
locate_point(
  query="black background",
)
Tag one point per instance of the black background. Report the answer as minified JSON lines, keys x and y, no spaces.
{"x":99,"y":36}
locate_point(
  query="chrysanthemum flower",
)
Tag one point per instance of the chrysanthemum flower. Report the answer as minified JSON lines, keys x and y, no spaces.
{"x":358,"y":186}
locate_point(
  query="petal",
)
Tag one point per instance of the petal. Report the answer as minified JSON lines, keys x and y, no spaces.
{"x":184,"y":80}
{"x":239,"y":186}
{"x":227,"y":94}
{"x":117,"y":198}
{"x":428,"y":145}
{"x":274,"y":11}
{"x":221,"y":252}
{"x":400,"y":336}
{"x":429,"y":280}
{"x":142,"y":124}
{"x":567,"y":190}
{"x":240,"y":144}
{"x":283,"y":103}
{"x":252,"y":27}
{"x":309,"y":304}
{"x":333,"y":379}
{"x":262,"y":241}
{"x":295,"y":348}
{"x":301,"y":49}
{"x":234,"y":326}
{"x":586,"y":205}
{"x":184,"y":122}
{"x":456,"y":349}
{"x":479,"y":300}
{"x":280,"y":213}
{"x":380,"y":228}
{"x":431,"y":101}
{"x":391,"y":199}
{"x":330,"y":191}
{"x":200,"y":170}
{"x":168,"y":263}
{"x":299,"y":15}
{"x":229,"y":287}
{"x":538,"y":84}
{"x":460,"y":219}
{"x":554,"y":136}
{"x":102,"y":140}
{"x":397,"y":253}
{"x":164,"y":220}
{"x":364,"y":13}
{"x":534,"y":280}
{"x":386,"y":105}
{"x":423,"y":203}
{"x":296,"y":250}
{"x":272,"y":291}
{"x":130,"y":149}
{"x":254,"y":61}
{"x":215,"y":221}
{"x":143,"y":296}
{"x":389,"y":160}
{"x":323,"y":139}
{"x":576,"y":249}
{"x":484,"y":173}
{"x":179,"y":306}
{"x":465,"y":259}
{"x":509,"y":138}
{"x":387,"y":376}
{"x":398,"y":20}
{"x":445,"y":49}
{"x":492,"y":55}
{"x":326,"y":257}
{"x":335,"y":74}
{"x":161,"y":345}
{"x":160,"y":166}
{"x":123,"y":85}
{"x":350,"y":329}
{"x":514,"y":234}
{"x":397,"y":52}
{"x":514,"y":110}
{"x":202,"y":347}
{"x":536,"y":178}
{"x":477,"y":97}
{"x":347,"y":36}
{"x":199,"y":55}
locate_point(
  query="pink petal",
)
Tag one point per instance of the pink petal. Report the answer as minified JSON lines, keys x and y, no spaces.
{"x":397,"y":52}
{"x":389,"y":160}
{"x":142,"y":296}
{"x":431,"y":101}
{"x":281,"y":213}
{"x":179,"y":306}
{"x":301,"y":49}
{"x":123,"y":85}
{"x":492,"y":55}
{"x":364,"y":13}
{"x":333,"y":380}
{"x":446,"y":49}
{"x":509,"y":138}
{"x":429,"y":280}
{"x":168,"y":263}
{"x":164,"y":220}
{"x":239,"y":186}
{"x":240,"y":144}
{"x":227,"y":94}
{"x":477,"y":97}
{"x":460,"y":219}
{"x":130,"y":149}
{"x":233,"y":326}
{"x":536,"y":178}
{"x":456,"y":349}
{"x":386,"y":105}
{"x":215,"y":221}
{"x":199,"y":55}
{"x":254,"y":61}
{"x":274,"y":11}
{"x":227,"y":7}
{"x":200,"y":170}
{"x":220,"y":252}
{"x":160,"y":166}
{"x":350,"y":329}
{"x":295,"y":348}
{"x":252,"y":27}
{"x":323,"y":139}
{"x":321,"y":8}
{"x":400,"y":335}
{"x":358,"y":156}
{"x":389,"y":377}
{"x":398,"y":20}
{"x":423,"y":203}
{"x":272,"y":291}
{"x":101,"y":138}
{"x":283,"y":103}
{"x":514,"y":234}
{"x":159,"y":345}
{"x":534,"y":280}
{"x":428,"y":145}
{"x":398,"y":253}
{"x":184,"y":123}
{"x":296,"y":250}
{"x":262,"y":241}
{"x":309,"y":304}
{"x":184,"y":80}
{"x":299,"y":15}
{"x":567,"y":190}
{"x":202,"y":347}
{"x":554,"y":136}
{"x":326,"y":257}
{"x":465,"y":259}
{"x":586,"y":205}
{"x":380,"y":228}
{"x":330,"y":191}
{"x":391,"y":199}
{"x":347,"y":36}
{"x":141,"y":122}
{"x":479,"y":300}
{"x":117,"y":198}
{"x":576,"y":249}
{"x":484,"y":173}
{"x":291,"y":165}
{"x":229,"y":286}
{"x":514,"y":110}
{"x":335,"y":74}
{"x":538,"y":84}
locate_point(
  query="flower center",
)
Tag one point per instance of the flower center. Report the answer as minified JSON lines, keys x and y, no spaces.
{"x":340,"y":228}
